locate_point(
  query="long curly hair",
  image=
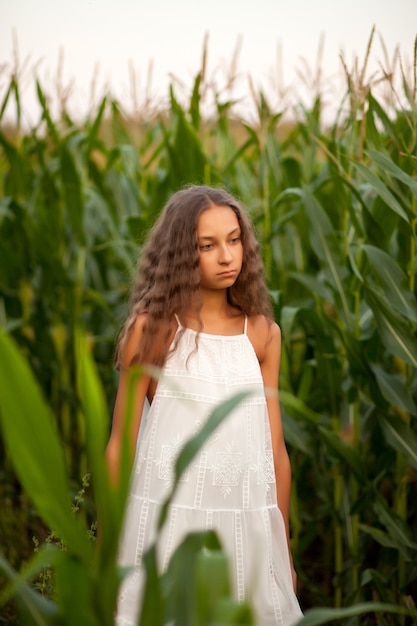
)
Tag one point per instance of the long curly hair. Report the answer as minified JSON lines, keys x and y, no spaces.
{"x":167,"y":279}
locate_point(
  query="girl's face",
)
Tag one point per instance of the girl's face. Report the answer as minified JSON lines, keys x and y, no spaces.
{"x":220,"y":246}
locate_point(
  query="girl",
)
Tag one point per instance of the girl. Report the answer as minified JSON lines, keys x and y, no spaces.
{"x":200,"y":310}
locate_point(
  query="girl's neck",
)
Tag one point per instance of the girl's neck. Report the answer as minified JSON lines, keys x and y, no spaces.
{"x":214,"y":304}
{"x":216,"y":314}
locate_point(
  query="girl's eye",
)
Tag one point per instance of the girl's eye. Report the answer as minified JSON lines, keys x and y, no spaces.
{"x":235,"y":240}
{"x":206,"y":246}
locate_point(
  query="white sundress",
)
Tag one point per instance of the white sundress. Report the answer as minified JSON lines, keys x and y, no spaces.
{"x":230,"y":486}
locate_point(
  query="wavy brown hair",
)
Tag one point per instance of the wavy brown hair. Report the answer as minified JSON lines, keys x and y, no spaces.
{"x":168,"y":277}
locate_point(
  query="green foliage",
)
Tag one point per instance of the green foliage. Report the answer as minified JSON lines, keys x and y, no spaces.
{"x":336,"y":212}
{"x":86,"y":574}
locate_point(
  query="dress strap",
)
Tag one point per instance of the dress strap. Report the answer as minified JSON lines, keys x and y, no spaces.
{"x":178,"y":320}
{"x":245,"y":328}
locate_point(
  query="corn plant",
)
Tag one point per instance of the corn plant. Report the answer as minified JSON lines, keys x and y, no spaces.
{"x":335,"y":211}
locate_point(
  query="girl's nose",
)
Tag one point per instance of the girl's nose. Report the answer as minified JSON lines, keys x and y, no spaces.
{"x":225,"y":255}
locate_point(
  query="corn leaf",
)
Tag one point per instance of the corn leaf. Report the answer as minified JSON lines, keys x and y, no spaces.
{"x":395,"y":526}
{"x":394,"y":332}
{"x":343,"y":451}
{"x":382,"y":190}
{"x":72,"y":193}
{"x":110,"y":503}
{"x":394,"y":389}
{"x":95,"y":127}
{"x":34,"y":447}
{"x":400,"y":437}
{"x":153,"y":606}
{"x":382,"y":538}
{"x":34,"y":608}
{"x":393,"y":281}
{"x":387,"y":165}
{"x":315,"y":617}
{"x":297,"y":409}
{"x":46,"y":114}
{"x":326,"y":247}
{"x":295,"y":434}
{"x":46,"y":556}
{"x":73,"y":582}
{"x":181,"y":600}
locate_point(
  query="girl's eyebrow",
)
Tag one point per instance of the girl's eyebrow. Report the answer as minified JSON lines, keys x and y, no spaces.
{"x":232,"y":232}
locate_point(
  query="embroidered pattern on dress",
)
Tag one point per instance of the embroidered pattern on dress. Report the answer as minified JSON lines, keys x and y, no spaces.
{"x":242,"y":360}
{"x":227,"y":470}
{"x":265,"y":468}
{"x":166,"y":462}
{"x":211,"y":360}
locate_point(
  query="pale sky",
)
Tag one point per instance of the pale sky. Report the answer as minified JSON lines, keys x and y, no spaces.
{"x":111,"y":34}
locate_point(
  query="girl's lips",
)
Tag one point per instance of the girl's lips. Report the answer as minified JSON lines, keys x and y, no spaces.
{"x":227,"y":273}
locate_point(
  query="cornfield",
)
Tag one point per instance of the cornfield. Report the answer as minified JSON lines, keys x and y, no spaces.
{"x":335,"y":208}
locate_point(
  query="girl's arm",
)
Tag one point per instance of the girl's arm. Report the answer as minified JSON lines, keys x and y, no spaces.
{"x":114,"y":446}
{"x":270,"y":372}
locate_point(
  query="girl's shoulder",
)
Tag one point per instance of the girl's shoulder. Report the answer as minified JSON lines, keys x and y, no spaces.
{"x":157,"y":336}
{"x":263,"y":333}
{"x":263,"y":325}
{"x":132,"y":340}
